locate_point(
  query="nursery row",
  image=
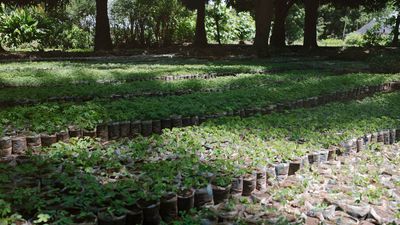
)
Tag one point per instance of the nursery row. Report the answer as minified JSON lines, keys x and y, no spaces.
{"x":52,"y":118}
{"x":65,"y":73}
{"x":32,"y":95}
{"x":152,"y":178}
{"x":35,"y":95}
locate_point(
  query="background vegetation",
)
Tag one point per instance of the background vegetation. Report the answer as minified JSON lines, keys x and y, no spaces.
{"x":144,"y":23}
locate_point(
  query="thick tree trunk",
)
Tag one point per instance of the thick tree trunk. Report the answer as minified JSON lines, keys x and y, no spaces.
{"x":200,"y":38}
{"x":102,"y":37}
{"x":395,"y":42}
{"x":310,"y":23}
{"x":282,"y":7}
{"x":264,"y":11}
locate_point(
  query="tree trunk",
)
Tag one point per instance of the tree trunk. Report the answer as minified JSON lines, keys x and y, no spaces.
{"x":102,"y":37}
{"x":142,"y":34}
{"x":264,"y":11}
{"x":218,"y":29}
{"x":310,"y":23}
{"x":282,"y":7}
{"x":200,"y":38}
{"x":395,"y":42}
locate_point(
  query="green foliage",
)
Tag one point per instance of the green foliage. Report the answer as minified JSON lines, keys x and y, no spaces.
{"x":33,"y":28}
{"x":375,"y":37}
{"x":75,"y":37}
{"x":23,"y":25}
{"x":113,"y":176}
{"x":233,"y":27}
{"x":245,"y":29}
{"x":354,"y":39}
{"x":331,"y":42}
{"x":295,"y":24}
{"x":143,"y":22}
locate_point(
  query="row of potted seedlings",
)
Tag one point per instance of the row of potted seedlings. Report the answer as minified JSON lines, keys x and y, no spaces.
{"x":139,"y":79}
{"x":65,"y":99}
{"x":220,"y":188}
{"x":115,"y":130}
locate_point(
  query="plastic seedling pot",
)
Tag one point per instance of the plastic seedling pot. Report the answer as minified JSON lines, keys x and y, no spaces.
{"x":397,"y":134}
{"x":194,"y":120}
{"x":63,"y":136}
{"x":249,"y":184}
{"x":332,"y":154}
{"x":125,"y":129}
{"x":151,"y":212}
{"x":304,"y":161}
{"x":147,"y":128}
{"x":114,"y":131}
{"x":176,"y":121}
{"x":186,"y":200}
{"x":237,"y":186}
{"x":75,"y":132}
{"x":33,"y":142}
{"x":104,"y":218}
{"x":202,"y":119}
{"x":19,"y":145}
{"x":89,"y":133}
{"x":166,"y":124}
{"x":134,"y":216}
{"x":203,"y":196}
{"x":228,"y":216}
{"x":392,"y":136}
{"x":386,"y":137}
{"x":271,"y":174}
{"x":323,"y":156}
{"x":374,"y":137}
{"x":5,"y":146}
{"x":221,"y":194}
{"x":381,"y":137}
{"x":186,"y":121}
{"x":48,"y":140}
{"x":156,"y":127}
{"x":102,"y":131}
{"x":360,"y":145}
{"x":169,"y":207}
{"x":282,"y":169}
{"x":294,"y":166}
{"x":367,"y":139}
{"x":261,"y":183}
{"x":136,"y":128}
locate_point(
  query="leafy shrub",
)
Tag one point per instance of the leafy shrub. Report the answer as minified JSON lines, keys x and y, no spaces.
{"x":22,"y":26}
{"x":374,"y":37}
{"x":233,"y":27}
{"x":185,"y":28}
{"x":76,"y":38}
{"x":354,"y":39}
{"x":245,"y":29}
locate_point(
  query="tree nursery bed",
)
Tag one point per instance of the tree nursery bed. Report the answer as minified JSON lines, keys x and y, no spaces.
{"x":151,"y":178}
